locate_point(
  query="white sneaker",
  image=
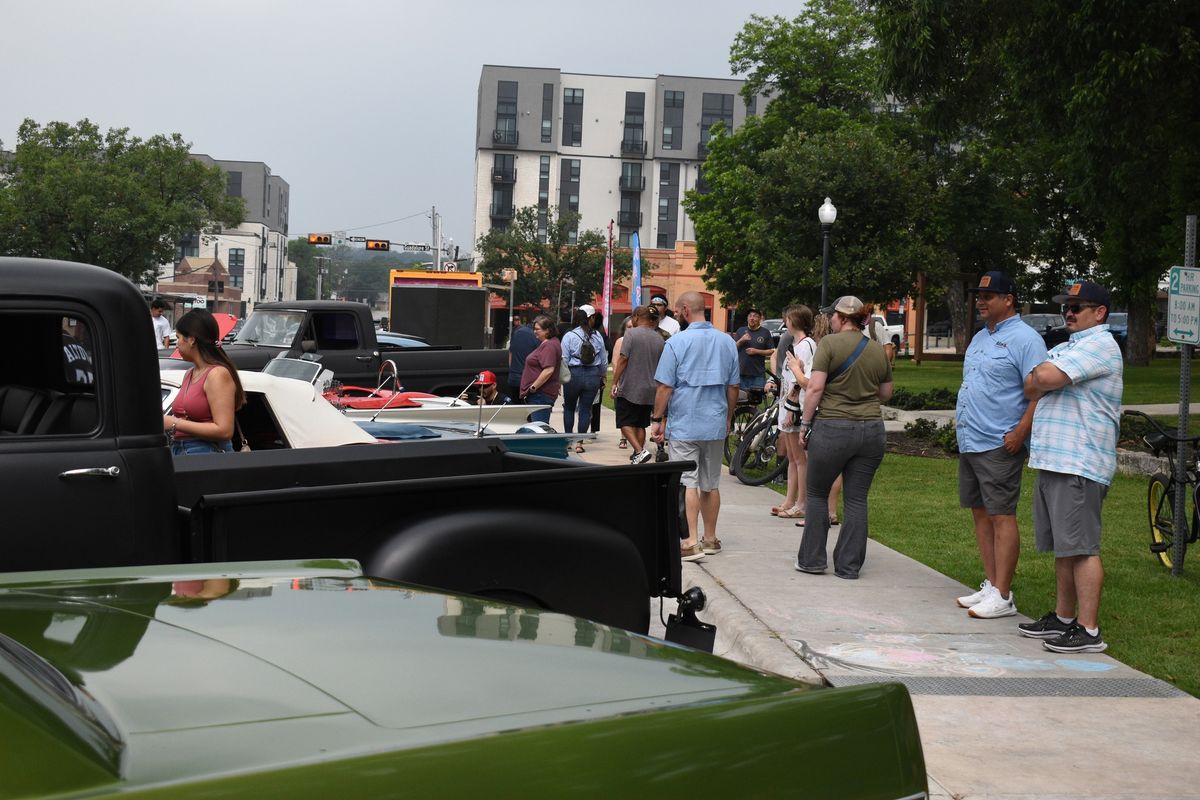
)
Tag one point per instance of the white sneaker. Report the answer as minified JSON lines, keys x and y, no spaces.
{"x":972,"y":599}
{"x":641,"y":457}
{"x":993,"y":605}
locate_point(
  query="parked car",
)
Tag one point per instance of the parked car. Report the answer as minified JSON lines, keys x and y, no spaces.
{"x":1118,"y":326}
{"x":1052,"y":327}
{"x":776,"y":327}
{"x":307,"y":679}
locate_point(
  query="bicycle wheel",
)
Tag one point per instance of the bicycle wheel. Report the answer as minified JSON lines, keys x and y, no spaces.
{"x":742,"y":417}
{"x":757,"y":459}
{"x":1161,"y":505}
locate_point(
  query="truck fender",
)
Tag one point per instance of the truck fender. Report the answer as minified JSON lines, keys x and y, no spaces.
{"x":545,"y":559}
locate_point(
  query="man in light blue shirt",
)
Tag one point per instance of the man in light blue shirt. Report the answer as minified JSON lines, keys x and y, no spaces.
{"x":992,"y":421}
{"x":698,"y":378}
{"x":1074,"y":448}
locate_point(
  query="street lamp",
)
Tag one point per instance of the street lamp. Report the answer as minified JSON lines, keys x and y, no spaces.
{"x":827,"y":213}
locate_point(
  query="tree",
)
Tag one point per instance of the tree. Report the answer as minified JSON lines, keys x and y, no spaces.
{"x":305,"y":257}
{"x":546,"y":270}
{"x":1109,"y":90}
{"x":69,"y":192}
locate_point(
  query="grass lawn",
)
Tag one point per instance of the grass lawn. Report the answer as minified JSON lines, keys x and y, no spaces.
{"x":1157,"y":383}
{"x":1150,"y":619}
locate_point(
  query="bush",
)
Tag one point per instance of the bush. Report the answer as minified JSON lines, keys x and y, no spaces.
{"x":921,"y":428}
{"x":940,"y":398}
{"x":947,"y":438}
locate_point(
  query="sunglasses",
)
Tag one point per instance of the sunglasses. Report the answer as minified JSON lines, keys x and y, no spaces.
{"x":1075,"y":308}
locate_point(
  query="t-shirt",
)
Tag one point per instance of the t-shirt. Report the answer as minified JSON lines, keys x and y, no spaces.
{"x":162,"y":329}
{"x":805,"y":350}
{"x":752,"y":365}
{"x":643,"y":347}
{"x":547,"y":354}
{"x":855,"y":393}
{"x":523,"y":342}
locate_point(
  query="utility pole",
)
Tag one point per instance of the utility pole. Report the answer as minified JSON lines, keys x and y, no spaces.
{"x":437,"y":240}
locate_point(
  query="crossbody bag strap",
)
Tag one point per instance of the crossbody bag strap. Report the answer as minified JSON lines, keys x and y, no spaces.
{"x":845,"y":365}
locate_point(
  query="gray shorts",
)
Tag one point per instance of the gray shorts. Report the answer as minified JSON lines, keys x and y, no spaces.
{"x":991,"y":480}
{"x":707,"y":455}
{"x":1066,"y":514}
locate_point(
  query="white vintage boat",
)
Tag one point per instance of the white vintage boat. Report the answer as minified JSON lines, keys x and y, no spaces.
{"x":502,"y":419}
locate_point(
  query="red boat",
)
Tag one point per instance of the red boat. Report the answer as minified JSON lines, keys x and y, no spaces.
{"x":362,"y":397}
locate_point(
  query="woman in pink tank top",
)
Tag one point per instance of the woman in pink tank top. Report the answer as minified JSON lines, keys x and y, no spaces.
{"x":202,"y":416}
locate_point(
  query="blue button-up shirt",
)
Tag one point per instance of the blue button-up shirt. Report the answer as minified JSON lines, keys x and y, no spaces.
{"x":699,"y":364}
{"x":992,"y":400}
{"x":573,"y":341}
{"x":1075,"y":428}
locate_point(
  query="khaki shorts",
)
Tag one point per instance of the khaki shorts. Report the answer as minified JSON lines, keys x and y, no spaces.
{"x":1066,"y":514}
{"x":707,"y":455}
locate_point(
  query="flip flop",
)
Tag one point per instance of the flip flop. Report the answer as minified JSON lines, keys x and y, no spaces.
{"x":791,"y":513}
{"x":579,"y":448}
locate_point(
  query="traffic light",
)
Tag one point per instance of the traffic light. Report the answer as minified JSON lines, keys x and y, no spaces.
{"x":378,"y":244}
{"x":320,"y":238}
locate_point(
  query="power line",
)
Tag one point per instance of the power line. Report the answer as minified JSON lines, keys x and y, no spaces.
{"x":388,"y":222}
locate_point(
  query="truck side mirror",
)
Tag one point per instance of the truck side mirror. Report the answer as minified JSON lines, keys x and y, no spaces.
{"x":308,"y":346}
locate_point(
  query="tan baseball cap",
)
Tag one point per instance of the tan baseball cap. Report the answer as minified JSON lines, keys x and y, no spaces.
{"x":847,"y":304}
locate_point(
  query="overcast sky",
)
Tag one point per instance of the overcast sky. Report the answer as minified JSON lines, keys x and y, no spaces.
{"x":367,"y":109}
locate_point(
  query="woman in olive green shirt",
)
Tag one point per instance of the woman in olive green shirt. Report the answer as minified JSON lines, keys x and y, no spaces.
{"x":842,"y":429}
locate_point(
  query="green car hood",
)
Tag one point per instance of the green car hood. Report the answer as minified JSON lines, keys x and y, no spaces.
{"x":147,"y":680}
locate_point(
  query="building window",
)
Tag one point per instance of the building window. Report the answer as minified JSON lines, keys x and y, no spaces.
{"x":664,"y":209}
{"x":573,"y":236}
{"x":664,"y":240}
{"x":716,"y":108}
{"x":233,"y":184}
{"x":672,"y":99}
{"x":504,"y":167}
{"x":547,"y":111}
{"x":506,"y":113}
{"x":237,"y":266}
{"x":572,"y":97}
{"x":623,"y":238}
{"x":668,"y":140}
{"x":544,"y":168}
{"x":189,"y":246}
{"x":572,"y":169}
{"x":573,"y":203}
{"x":572,"y":134}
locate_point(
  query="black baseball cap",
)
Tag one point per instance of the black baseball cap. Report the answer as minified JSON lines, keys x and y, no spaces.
{"x":995,"y":282}
{"x":1086,"y":292}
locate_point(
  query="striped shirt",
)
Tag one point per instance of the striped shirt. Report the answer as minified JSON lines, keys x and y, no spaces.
{"x":1075,"y":428}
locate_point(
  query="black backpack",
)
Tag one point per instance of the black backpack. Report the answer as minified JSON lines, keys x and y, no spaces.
{"x":587,"y":351}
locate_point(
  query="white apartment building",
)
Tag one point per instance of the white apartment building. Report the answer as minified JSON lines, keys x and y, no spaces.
{"x":610,"y":147}
{"x":255,"y":252}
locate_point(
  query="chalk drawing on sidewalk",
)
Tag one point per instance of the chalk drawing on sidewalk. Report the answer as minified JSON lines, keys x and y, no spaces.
{"x":1081,"y":665}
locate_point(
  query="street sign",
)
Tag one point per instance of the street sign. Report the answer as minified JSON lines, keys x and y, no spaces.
{"x":1183,"y":306}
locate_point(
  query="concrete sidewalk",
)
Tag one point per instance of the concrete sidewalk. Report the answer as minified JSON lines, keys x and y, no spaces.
{"x":1000,"y":716}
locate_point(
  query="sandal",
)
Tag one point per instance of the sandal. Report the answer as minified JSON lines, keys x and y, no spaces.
{"x":623,"y":444}
{"x":579,"y":448}
{"x":833,"y":520}
{"x":795,"y":512}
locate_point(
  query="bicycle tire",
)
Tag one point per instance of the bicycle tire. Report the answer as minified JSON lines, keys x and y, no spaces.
{"x":743,"y":416}
{"x":1161,"y":506}
{"x":757,"y":460}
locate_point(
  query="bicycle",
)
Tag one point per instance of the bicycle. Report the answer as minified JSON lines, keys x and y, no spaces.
{"x":757,"y":459}
{"x":743,"y":414}
{"x":1160,"y":499}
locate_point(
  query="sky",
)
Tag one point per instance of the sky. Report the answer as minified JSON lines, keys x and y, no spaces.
{"x":366,"y":108}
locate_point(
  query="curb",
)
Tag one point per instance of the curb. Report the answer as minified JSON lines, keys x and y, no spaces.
{"x":742,"y":636}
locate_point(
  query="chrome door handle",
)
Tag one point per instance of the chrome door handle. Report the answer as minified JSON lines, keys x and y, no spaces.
{"x":363,"y":358}
{"x":91,"y":472}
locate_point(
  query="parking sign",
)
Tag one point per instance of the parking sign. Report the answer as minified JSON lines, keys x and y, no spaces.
{"x":1183,"y":306}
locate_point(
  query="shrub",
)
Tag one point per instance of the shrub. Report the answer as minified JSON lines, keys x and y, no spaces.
{"x":940,"y":398}
{"x":921,"y":428}
{"x":947,"y":438}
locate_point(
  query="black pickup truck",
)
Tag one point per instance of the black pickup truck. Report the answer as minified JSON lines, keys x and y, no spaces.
{"x":343,"y":334}
{"x":86,"y":479}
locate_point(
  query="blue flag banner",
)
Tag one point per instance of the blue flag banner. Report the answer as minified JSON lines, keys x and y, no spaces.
{"x":635,"y":289}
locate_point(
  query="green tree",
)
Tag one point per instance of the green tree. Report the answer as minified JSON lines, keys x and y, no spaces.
{"x":551,"y":269}
{"x":304,"y":255}
{"x":70,"y":192}
{"x":1108,"y":89}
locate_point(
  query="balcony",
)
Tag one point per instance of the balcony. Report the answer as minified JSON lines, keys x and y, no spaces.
{"x":500,"y":175}
{"x":629,"y":219}
{"x":501,"y":211}
{"x":633,"y":183}
{"x":633,"y":146}
{"x":505,"y":138}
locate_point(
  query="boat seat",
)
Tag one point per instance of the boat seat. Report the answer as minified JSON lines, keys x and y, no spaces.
{"x":21,"y":408}
{"x":68,"y":414}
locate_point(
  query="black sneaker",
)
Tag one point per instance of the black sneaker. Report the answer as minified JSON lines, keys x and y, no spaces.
{"x":1076,"y":640}
{"x":1048,"y":627}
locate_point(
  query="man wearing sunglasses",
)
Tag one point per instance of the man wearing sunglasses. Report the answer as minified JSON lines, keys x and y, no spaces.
{"x":992,"y":421}
{"x":1074,"y":447}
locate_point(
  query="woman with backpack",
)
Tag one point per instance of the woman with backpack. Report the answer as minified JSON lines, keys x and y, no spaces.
{"x":584,"y":354}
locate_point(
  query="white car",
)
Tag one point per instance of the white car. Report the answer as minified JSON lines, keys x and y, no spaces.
{"x":884,"y":333}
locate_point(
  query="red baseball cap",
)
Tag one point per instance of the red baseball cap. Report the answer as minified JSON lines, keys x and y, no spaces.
{"x":485,"y":378}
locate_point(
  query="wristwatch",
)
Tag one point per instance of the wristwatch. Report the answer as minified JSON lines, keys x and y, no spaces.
{"x":656,"y":419}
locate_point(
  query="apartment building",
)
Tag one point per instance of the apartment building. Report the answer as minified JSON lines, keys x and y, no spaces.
{"x":254,"y":254}
{"x":610,"y":147}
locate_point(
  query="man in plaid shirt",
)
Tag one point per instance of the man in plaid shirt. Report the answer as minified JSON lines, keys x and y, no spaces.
{"x":1074,"y":447}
